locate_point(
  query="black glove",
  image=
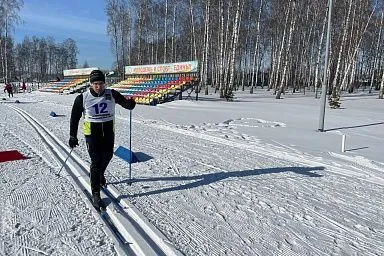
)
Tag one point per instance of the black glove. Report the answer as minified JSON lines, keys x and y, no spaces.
{"x":73,"y":142}
{"x":131,"y":104}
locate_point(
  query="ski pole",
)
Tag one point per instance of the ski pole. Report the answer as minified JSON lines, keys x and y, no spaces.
{"x":130,"y":146}
{"x":58,"y":174}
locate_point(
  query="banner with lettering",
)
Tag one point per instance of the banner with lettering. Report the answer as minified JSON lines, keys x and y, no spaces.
{"x":79,"y":72}
{"x":169,"y":68}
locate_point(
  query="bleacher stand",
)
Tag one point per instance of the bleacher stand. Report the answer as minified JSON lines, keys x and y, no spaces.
{"x":74,"y":80}
{"x":154,"y":84}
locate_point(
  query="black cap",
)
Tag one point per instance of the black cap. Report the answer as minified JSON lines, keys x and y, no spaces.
{"x":96,"y":75}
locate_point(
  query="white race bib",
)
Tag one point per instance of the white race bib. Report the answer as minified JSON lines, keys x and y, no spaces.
{"x":99,"y":109}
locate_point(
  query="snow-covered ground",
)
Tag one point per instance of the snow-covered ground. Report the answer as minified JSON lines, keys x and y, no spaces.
{"x":250,"y":177}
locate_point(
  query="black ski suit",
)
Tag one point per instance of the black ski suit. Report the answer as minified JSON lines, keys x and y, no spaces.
{"x":100,"y":141}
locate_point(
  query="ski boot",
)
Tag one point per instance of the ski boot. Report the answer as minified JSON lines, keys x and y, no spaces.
{"x":97,"y":202}
{"x":103,"y":182}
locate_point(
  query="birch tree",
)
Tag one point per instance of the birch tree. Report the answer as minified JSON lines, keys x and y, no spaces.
{"x":165,"y":30}
{"x":194,"y":49}
{"x":9,"y":17}
{"x":287,"y":48}
{"x":376,"y":53}
{"x":204,"y":69}
{"x":382,"y":86}
{"x":255,"y":69}
{"x":279,"y":41}
{"x":112,"y":10}
{"x":235,"y":36}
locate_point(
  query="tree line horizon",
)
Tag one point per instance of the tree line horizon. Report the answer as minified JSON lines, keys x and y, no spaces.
{"x":240,"y":44}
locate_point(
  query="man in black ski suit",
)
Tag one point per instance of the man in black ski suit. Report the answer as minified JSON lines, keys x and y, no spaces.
{"x":98,"y":107}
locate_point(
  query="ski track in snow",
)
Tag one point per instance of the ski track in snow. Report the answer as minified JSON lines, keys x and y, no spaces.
{"x":42,"y":220}
{"x":266,"y":204}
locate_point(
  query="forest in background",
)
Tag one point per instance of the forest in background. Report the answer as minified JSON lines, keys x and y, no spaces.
{"x":38,"y":59}
{"x":240,"y":44}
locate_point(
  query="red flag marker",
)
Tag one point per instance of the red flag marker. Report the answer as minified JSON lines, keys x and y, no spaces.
{"x":12,"y":155}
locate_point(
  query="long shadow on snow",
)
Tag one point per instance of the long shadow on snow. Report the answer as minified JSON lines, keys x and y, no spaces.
{"x":206,"y":179}
{"x":355,"y":126}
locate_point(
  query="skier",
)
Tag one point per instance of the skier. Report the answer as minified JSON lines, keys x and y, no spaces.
{"x":9,"y":89}
{"x":98,"y":106}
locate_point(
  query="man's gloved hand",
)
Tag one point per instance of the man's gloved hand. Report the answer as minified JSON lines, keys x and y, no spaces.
{"x":73,"y":142}
{"x":131,"y":104}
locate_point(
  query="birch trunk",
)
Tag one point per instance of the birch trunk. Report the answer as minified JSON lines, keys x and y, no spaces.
{"x":235,"y":37}
{"x":152,"y":49}
{"x":194,"y":50}
{"x":317,"y":68}
{"x":206,"y":48}
{"x":2,"y":54}
{"x":165,"y":31}
{"x":353,"y":73}
{"x":382,"y":87}
{"x":123,"y":55}
{"x":310,"y":57}
{"x":139,"y":35}
{"x":342,"y":44}
{"x":130,"y":47}
{"x":203,"y":71}
{"x":256,"y":51}
{"x":272,"y":73}
{"x":5,"y":48}
{"x":280,"y":53}
{"x":157,"y":44}
{"x":292,"y":27}
{"x":221,"y":43}
{"x":226,"y":59}
{"x":202,"y":62}
{"x":375,"y":60}
{"x":353,"y":58}
{"x":173,"y":54}
{"x":349,"y":49}
{"x":244,"y":60}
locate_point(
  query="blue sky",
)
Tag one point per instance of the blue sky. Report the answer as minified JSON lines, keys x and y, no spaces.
{"x":82,"y":20}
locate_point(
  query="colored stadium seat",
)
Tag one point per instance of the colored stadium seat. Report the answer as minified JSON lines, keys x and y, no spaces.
{"x":149,"y":89}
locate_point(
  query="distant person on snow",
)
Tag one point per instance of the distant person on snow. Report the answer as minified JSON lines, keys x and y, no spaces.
{"x":24,"y":87}
{"x":98,"y":106}
{"x":9,"y":89}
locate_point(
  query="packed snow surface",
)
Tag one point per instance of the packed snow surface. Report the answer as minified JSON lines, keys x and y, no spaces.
{"x":249,"y":177}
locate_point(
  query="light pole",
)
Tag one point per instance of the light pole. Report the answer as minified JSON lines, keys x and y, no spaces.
{"x":324,"y":86}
